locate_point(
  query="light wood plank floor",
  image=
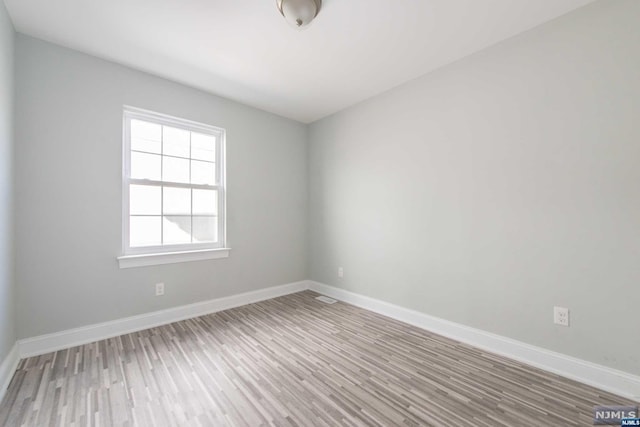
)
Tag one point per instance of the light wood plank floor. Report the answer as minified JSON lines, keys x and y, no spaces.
{"x":290,"y":361}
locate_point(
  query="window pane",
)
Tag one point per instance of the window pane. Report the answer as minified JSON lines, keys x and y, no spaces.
{"x":144,"y":200}
{"x":175,"y":170}
{"x":144,"y":231}
{"x":205,"y":229}
{"x":176,"y":229}
{"x":145,"y":166}
{"x":203,"y":147}
{"x":176,"y":141}
{"x":203,"y":172}
{"x":205,"y":202}
{"x":176,"y":201}
{"x":145,"y":136}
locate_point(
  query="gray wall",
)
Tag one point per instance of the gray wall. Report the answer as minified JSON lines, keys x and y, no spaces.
{"x":7,"y":297}
{"x":68,"y":193}
{"x":493,"y":189}
{"x":483,"y":193}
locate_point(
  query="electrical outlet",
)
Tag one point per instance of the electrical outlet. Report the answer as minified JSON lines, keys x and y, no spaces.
{"x":561,"y":316}
{"x":159,"y":289}
{"x":340,"y":272}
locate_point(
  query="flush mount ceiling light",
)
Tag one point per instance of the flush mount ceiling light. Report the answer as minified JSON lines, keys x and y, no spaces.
{"x":299,"y":13}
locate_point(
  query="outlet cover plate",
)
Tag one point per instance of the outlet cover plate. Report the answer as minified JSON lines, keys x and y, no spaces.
{"x":561,"y":316}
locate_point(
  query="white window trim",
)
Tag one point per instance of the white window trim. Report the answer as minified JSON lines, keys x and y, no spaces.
{"x":129,"y":261}
{"x":166,"y":254}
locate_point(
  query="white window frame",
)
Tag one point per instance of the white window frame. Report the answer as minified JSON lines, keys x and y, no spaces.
{"x":164,"y":254}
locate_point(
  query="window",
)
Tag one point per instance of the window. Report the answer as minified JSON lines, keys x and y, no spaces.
{"x":173,"y":190}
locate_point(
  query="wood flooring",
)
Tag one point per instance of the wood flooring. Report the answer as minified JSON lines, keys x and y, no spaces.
{"x":290,"y":361}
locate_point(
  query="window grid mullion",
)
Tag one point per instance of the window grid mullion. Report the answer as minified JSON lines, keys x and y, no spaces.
{"x":162,"y":186}
{"x":178,"y":215}
{"x":191,"y":181}
{"x":172,"y":156}
{"x":152,"y":183}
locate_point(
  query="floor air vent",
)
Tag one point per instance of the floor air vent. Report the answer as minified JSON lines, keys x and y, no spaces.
{"x":326,"y":300}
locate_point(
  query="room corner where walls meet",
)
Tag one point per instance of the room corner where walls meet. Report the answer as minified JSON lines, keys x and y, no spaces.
{"x":495,"y":188}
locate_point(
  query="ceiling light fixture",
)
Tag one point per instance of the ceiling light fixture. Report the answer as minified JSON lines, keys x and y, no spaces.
{"x":299,"y":13}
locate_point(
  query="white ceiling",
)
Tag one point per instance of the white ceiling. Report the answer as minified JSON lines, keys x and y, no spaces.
{"x":244,"y":50}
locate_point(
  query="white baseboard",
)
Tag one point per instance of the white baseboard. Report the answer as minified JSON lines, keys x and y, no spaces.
{"x":7,"y":369}
{"x":608,"y":379}
{"x":73,"y":337}
{"x":602,"y":377}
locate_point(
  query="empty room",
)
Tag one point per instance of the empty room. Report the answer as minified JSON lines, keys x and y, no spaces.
{"x":319,"y":213}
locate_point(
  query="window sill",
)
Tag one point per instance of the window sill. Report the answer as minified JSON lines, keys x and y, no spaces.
{"x":130,"y":261}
